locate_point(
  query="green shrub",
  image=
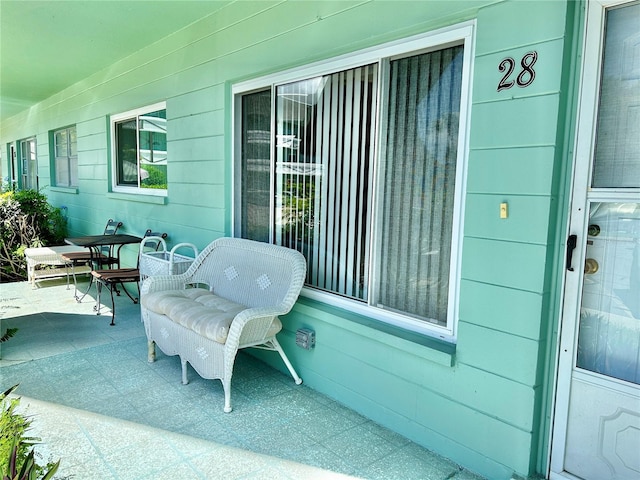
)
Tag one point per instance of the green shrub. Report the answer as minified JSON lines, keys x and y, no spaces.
{"x":26,"y":220}
{"x":17,"y":454}
{"x":157,"y":177}
{"x":51,"y":226}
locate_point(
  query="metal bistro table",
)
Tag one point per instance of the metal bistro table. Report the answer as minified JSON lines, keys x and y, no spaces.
{"x":95,"y":243}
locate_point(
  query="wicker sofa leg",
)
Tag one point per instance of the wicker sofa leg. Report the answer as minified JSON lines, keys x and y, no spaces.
{"x":151,"y":351}
{"x":226,"y":386}
{"x":185,"y":380}
{"x":276,"y":346}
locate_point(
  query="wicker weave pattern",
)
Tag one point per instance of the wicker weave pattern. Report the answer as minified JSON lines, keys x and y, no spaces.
{"x":264,"y":278}
{"x":163,"y":261}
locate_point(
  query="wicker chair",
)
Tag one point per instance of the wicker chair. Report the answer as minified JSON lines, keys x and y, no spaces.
{"x":229,"y":299}
{"x":160,"y":261}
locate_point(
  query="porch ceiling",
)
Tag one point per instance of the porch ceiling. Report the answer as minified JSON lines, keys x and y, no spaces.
{"x":46,"y":46}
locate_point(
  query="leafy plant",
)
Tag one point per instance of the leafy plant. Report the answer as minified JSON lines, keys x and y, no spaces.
{"x":157,"y":177}
{"x":29,"y":469}
{"x":8,"y":334}
{"x":26,"y":220}
{"x":17,"y":453}
{"x":50,"y":224}
{"x":298,"y":206}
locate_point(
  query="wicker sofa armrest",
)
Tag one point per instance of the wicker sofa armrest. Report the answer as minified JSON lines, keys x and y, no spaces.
{"x":252,"y":319}
{"x":163,"y":282}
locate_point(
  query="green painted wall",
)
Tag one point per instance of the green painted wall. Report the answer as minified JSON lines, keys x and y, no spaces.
{"x":480,"y":402}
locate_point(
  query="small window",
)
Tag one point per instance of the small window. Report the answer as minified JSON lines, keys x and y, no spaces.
{"x":28,"y":163}
{"x":139,"y":140}
{"x":65,"y":157}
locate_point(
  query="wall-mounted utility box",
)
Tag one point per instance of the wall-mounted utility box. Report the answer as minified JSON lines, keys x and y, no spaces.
{"x":305,"y":338}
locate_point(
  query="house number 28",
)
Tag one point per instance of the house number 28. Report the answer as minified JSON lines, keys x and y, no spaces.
{"x":526,"y":75}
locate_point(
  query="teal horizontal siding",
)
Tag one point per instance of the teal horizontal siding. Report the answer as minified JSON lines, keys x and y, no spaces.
{"x":511,"y":171}
{"x":477,"y":401}
{"x":502,"y":308}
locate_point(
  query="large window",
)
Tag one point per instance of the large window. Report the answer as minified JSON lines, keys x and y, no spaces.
{"x":139,"y":139}
{"x":360,"y":170}
{"x":65,"y":157}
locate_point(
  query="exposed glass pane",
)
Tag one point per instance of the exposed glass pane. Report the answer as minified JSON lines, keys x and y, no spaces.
{"x":141,"y":151}
{"x":73,"y":168}
{"x":256,"y":166}
{"x":66,"y":159}
{"x":419,"y":173}
{"x":32,"y":149}
{"x":617,"y":154}
{"x":126,"y":152}
{"x":324,"y":149}
{"x":62,"y":171}
{"x":609,"y":336}
{"x":61,"y":143}
{"x":153,"y":149}
{"x":29,"y":163}
{"x":73,"y":142}
{"x":24,"y":157}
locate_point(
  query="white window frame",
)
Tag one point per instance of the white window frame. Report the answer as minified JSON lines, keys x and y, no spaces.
{"x":28,"y":166}
{"x":67,"y":156}
{"x":114,"y":167}
{"x":464,"y":34}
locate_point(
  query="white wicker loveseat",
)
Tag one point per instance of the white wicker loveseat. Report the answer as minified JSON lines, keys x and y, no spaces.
{"x":229,"y":298}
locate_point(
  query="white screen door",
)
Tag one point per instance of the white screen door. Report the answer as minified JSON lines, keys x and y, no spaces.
{"x":597,"y":420}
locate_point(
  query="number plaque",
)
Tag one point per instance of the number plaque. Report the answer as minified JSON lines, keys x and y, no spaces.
{"x":525,"y":76}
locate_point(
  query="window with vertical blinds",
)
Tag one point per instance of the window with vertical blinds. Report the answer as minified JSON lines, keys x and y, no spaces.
{"x":418,"y":178}
{"x":356,"y":168}
{"x":324,"y":157}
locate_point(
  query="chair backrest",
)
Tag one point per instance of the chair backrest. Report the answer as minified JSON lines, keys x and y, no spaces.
{"x":251,"y":273}
{"x":111,"y":228}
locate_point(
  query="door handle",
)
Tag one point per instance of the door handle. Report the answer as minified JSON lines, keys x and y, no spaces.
{"x":591,"y":266}
{"x":572,"y":241}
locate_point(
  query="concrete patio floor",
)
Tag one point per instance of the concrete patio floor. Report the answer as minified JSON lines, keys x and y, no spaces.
{"x":107,"y":413}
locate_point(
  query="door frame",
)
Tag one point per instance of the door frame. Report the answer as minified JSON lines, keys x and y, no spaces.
{"x":13,"y":173}
{"x":584,"y":144}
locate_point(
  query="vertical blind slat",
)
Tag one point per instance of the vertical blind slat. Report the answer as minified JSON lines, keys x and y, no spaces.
{"x":368,"y":155}
{"x":360,"y":98}
{"x":347,"y":232}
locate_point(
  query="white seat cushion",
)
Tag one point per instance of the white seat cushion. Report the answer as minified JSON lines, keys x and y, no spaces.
{"x":199,"y":310}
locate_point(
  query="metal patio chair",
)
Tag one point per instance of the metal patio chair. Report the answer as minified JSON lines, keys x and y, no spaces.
{"x":104,"y":258}
{"x":112,"y":277}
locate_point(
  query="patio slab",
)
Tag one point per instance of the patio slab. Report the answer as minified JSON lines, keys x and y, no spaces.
{"x":70,"y":363}
{"x":93,"y":446}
